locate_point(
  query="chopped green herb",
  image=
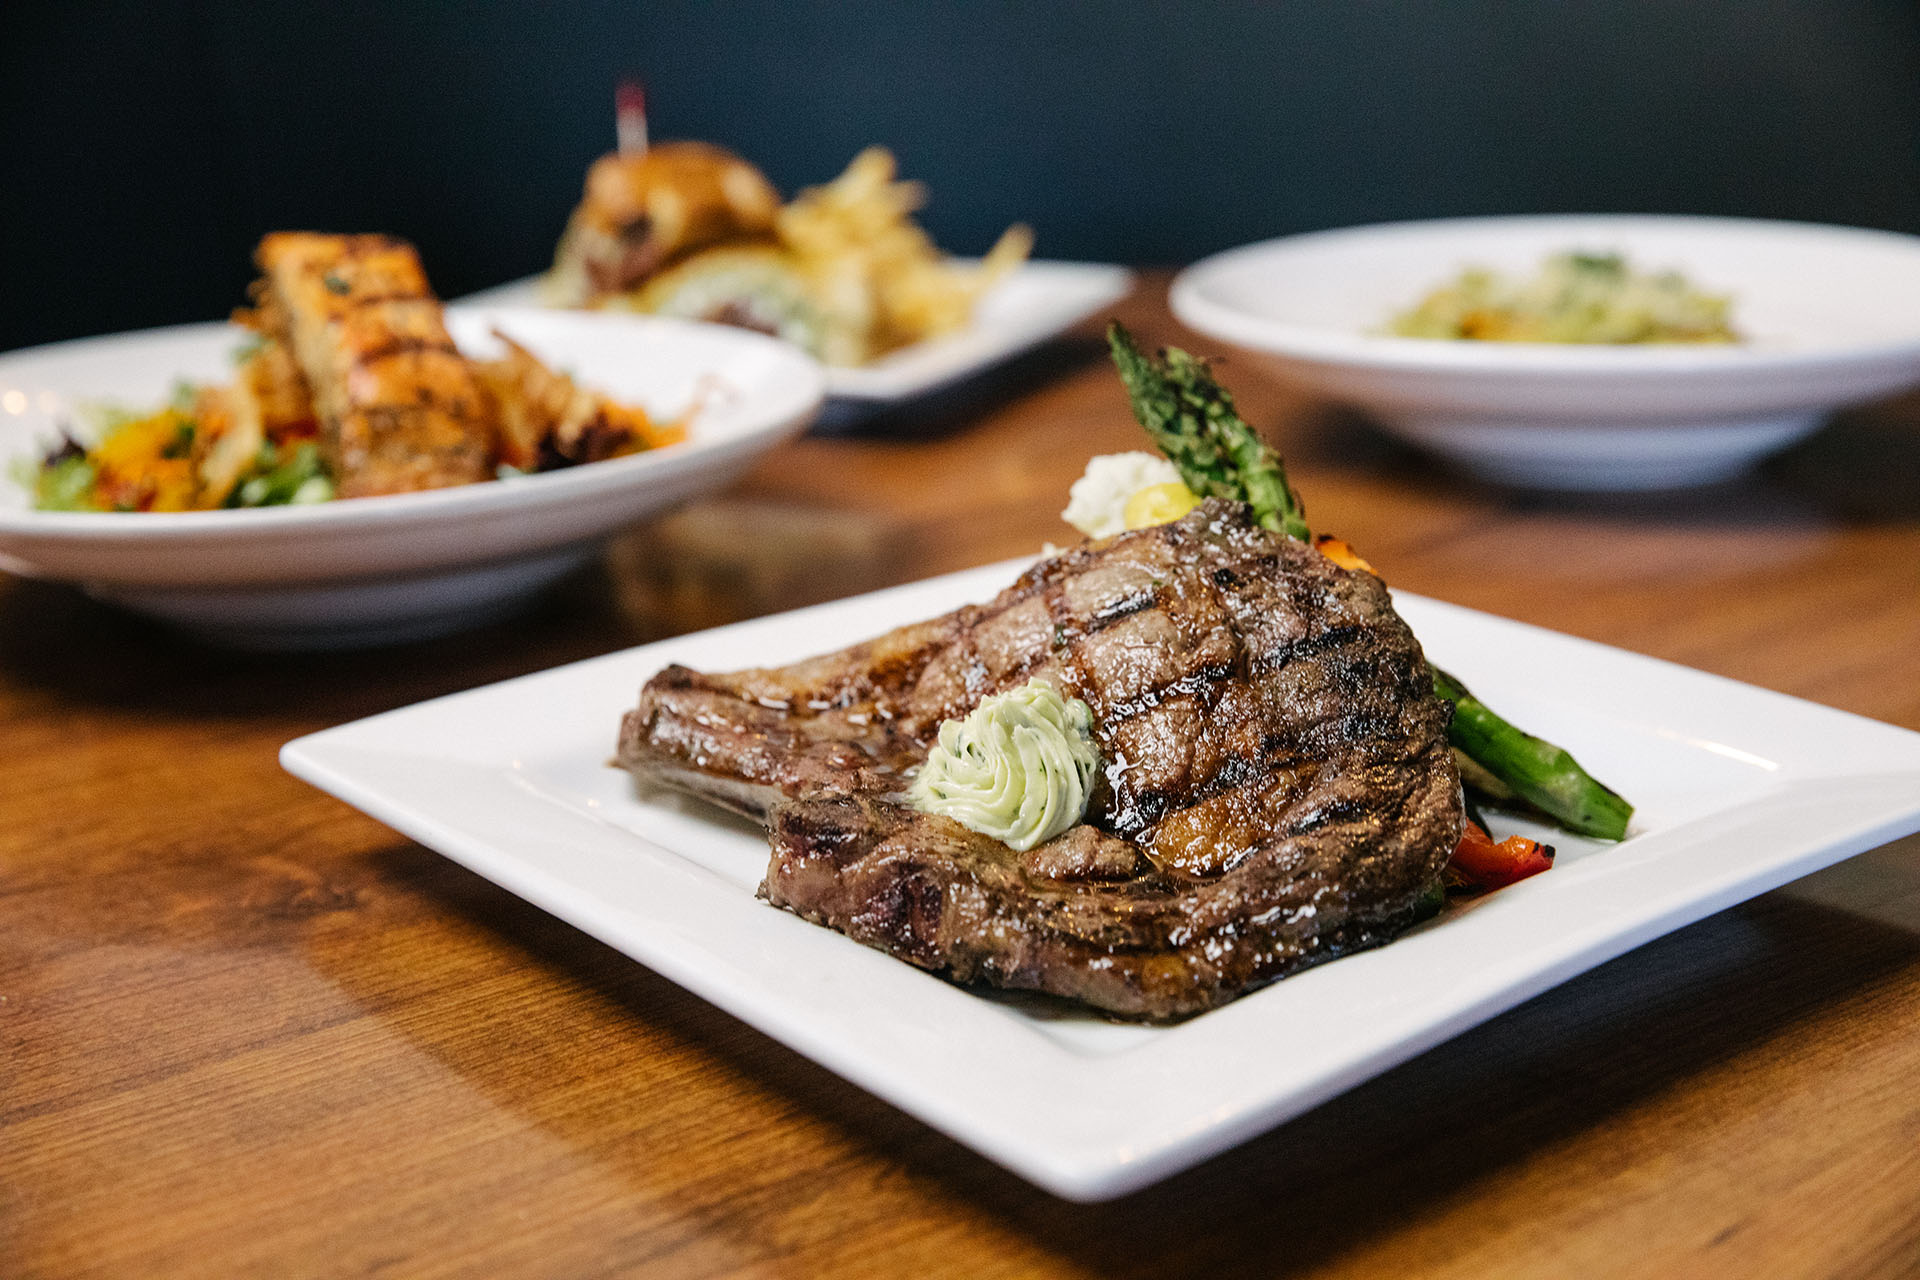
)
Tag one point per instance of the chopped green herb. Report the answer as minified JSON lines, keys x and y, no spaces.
{"x":1600,"y":264}
{"x":336,"y":284}
{"x":316,"y":489}
{"x":297,"y":475}
{"x":65,"y":485}
{"x":181,"y":446}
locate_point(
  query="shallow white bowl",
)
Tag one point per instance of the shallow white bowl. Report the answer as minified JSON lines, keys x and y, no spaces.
{"x":1828,"y":313}
{"x":377,"y":570}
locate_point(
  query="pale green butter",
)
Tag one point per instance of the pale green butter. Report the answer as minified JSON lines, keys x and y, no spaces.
{"x":1020,"y":768}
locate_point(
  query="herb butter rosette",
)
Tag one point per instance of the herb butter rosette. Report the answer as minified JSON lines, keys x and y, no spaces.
{"x":1019,"y":769}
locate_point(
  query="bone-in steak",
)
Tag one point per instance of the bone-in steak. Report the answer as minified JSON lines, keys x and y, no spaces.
{"x":1278,"y":786}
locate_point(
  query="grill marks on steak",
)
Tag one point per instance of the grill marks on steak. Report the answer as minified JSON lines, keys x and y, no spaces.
{"x":1278,"y":786}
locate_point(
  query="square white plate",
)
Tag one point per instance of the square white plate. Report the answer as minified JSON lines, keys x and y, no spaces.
{"x":1032,"y":304}
{"x":1739,"y":790}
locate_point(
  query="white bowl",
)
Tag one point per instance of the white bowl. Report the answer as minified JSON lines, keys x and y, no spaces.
{"x":1829,"y":316}
{"x":369,"y":571}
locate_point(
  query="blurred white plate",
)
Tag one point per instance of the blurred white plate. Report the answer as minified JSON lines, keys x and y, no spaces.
{"x":1034,"y":303}
{"x":375,"y":570}
{"x":1828,"y":312}
{"x":1739,"y":790}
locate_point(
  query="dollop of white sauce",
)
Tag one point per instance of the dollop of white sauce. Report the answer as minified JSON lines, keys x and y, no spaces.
{"x":1019,"y":769}
{"x":1097,"y":502}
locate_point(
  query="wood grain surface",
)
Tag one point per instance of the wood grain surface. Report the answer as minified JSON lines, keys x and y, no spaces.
{"x":245,"y":1030}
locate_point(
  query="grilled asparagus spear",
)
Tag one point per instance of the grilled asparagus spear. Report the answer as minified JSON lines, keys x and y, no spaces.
{"x":1540,"y":773}
{"x":1192,"y":419}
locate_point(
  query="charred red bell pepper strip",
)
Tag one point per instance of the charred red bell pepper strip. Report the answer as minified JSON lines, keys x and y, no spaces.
{"x":1495,"y":866}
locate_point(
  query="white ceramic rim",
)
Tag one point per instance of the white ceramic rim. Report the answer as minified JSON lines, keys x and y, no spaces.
{"x":435,"y":505}
{"x":1194,"y":307}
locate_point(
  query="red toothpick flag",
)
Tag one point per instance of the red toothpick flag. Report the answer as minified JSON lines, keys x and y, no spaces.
{"x":630,"y":117}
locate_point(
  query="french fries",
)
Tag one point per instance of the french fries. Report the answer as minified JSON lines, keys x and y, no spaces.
{"x":861,"y":224}
{"x":843,"y":270}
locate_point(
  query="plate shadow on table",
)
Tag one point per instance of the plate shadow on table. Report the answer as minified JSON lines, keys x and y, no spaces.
{"x":1385,"y":1154}
{"x":54,"y":637}
{"x":705,"y":565}
{"x":742,"y":556}
{"x":1862,"y":467}
{"x":957,"y":405}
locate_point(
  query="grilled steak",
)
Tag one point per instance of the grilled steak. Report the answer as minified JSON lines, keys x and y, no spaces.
{"x":1278,"y":787}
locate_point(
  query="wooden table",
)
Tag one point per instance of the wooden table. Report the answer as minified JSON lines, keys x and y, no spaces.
{"x":246,"y":1031}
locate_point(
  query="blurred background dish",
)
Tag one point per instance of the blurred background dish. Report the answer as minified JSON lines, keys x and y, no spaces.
{"x":383,"y":569}
{"x":1035,"y":301}
{"x":1825,"y":315}
{"x":842,"y":270}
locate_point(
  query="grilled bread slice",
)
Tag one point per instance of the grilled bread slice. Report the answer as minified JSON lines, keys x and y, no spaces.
{"x":398,"y":405}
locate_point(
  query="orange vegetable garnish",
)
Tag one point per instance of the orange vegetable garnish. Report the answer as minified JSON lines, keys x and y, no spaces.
{"x":642,"y":429}
{"x":1341,"y":554}
{"x":1495,"y":866}
{"x":147,"y":464}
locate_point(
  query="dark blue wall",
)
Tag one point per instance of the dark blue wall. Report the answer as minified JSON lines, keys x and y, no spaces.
{"x":147,"y":146}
